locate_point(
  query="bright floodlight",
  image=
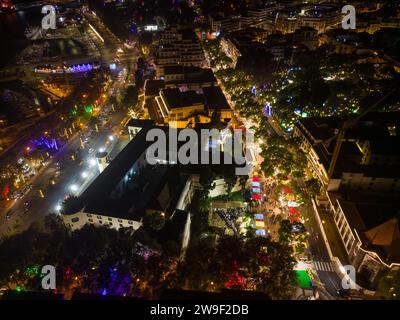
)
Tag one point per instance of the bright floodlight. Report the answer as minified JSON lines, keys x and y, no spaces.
{"x":58,"y":208}
{"x":111,"y":138}
{"x":84,"y":174}
{"x":73,"y":187}
{"x":92,"y":162}
{"x":102,"y":149}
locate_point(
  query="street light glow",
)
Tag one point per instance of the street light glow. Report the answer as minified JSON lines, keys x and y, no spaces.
{"x":111,"y":138}
{"x":92,"y":162}
{"x":102,"y":149}
{"x":58,"y":208}
{"x":84,"y":174}
{"x":73,"y":187}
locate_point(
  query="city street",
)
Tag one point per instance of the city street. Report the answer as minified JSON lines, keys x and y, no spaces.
{"x":61,"y":175}
{"x":74,"y":176}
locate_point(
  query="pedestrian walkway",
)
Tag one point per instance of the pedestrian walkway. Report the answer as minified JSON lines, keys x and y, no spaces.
{"x":323,"y":266}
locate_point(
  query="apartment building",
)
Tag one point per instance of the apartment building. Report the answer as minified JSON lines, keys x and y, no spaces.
{"x":178,"y":47}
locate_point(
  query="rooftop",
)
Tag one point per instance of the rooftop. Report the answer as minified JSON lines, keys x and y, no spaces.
{"x":153,"y":87}
{"x":380,"y":130}
{"x":375,"y":217}
{"x":215,"y":98}
{"x":191,"y":74}
{"x":140,"y":123}
{"x":177,"y":99}
{"x":129,"y":185}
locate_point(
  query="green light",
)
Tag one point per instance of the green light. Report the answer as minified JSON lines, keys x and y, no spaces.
{"x":34,"y":270}
{"x":18,"y":289}
{"x":89,"y":109}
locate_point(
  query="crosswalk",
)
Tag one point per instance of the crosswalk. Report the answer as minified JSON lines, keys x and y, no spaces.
{"x":323,"y":266}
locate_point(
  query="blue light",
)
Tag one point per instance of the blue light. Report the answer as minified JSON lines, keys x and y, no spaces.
{"x":104,"y":292}
{"x":50,"y":144}
{"x":254,"y":90}
{"x":260,"y":232}
{"x":267,"y":110}
{"x":259,"y":216}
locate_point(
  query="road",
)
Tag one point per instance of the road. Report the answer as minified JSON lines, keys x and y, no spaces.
{"x":76,"y":175}
{"x":72,"y":173}
{"x":328,"y":282}
{"x":112,"y":48}
{"x":321,"y":259}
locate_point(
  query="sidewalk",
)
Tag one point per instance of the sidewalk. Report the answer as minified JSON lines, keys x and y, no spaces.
{"x":332,"y":234}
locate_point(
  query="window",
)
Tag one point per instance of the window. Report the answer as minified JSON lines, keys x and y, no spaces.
{"x":91,"y":220}
{"x":99,"y":217}
{"x":120,"y":225}
{"x":119,"y":220}
{"x":101,"y":222}
{"x":76,"y":219}
{"x":89,"y":215}
{"x":109,"y":219}
{"x":130,"y":222}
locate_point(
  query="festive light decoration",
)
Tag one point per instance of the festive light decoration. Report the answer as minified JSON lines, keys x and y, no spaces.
{"x":254,"y":90}
{"x":33,"y":270}
{"x":261,"y":232}
{"x":50,"y":144}
{"x":88,"y":109}
{"x":235,"y":280}
{"x":267,"y":110}
{"x":78,"y":68}
{"x":256,"y":188}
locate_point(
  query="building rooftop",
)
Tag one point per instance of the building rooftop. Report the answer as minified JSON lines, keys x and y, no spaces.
{"x":177,"y":99}
{"x":129,"y":185}
{"x":215,"y":98}
{"x":153,"y":87}
{"x":140,"y":123}
{"x":375,"y":217}
{"x":191,"y":74}
{"x":380,"y":130}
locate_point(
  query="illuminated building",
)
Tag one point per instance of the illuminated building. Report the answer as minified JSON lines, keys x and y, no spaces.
{"x":369,"y":159}
{"x":362,"y":194}
{"x":129,"y":188}
{"x":368,"y":225}
{"x":178,"y":47}
{"x":186,"y":108}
